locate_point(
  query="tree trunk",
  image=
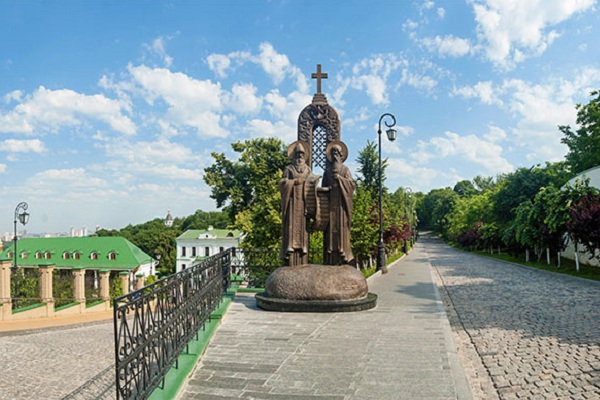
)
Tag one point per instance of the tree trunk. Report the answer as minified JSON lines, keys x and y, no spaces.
{"x":526,"y":254}
{"x":576,"y":257}
{"x":548,"y":255}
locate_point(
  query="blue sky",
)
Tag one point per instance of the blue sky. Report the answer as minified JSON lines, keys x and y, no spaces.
{"x":109,"y":110}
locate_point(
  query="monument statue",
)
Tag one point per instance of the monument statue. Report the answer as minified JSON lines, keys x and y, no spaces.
{"x":336,"y":285}
{"x":297,"y":180}
{"x":337,"y":177}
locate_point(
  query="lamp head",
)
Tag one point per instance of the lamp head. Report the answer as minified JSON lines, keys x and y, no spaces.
{"x":24,"y":218}
{"x":391,"y":134}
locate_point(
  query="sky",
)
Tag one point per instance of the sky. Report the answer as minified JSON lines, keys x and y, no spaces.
{"x":109,"y":110}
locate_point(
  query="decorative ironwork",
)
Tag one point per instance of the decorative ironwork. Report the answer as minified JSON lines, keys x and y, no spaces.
{"x":319,"y":144}
{"x":154,"y":324}
{"x":318,"y":115}
{"x":255,"y":265}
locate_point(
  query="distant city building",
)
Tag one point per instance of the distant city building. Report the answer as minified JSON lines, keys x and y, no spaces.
{"x":96,"y":253}
{"x":194,"y":245}
{"x":169,"y":219}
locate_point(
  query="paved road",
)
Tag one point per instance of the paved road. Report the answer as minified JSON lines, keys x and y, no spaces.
{"x":524,"y":333}
{"x":53,"y":363}
{"x":403,"y":349}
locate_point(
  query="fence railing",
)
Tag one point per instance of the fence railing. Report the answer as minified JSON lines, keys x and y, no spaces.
{"x":155,"y":324}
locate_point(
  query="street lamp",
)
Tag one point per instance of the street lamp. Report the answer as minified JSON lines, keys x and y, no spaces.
{"x":391,"y":134}
{"x":23,"y":217}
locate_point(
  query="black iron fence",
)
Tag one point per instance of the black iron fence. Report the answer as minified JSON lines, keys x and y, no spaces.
{"x":154,"y":324}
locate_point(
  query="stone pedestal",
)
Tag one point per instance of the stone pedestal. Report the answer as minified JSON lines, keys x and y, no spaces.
{"x":316,"y":288}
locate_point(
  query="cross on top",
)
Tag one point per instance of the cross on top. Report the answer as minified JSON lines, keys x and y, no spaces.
{"x":318,"y":76}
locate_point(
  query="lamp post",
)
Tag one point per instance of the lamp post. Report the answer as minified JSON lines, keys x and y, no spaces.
{"x":391,"y":134}
{"x":407,"y":193}
{"x":23,"y":217}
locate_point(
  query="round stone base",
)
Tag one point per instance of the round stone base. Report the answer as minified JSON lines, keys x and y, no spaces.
{"x":269,"y":303}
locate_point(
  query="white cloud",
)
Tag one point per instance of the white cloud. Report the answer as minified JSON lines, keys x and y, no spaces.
{"x":65,"y":180}
{"x":191,"y":102}
{"x":409,"y":25}
{"x":158,"y":47}
{"x":220,"y":64}
{"x":484,"y":91}
{"x":2,"y":168}
{"x":371,"y":75}
{"x":51,"y":110}
{"x":278,"y":66}
{"x":15,"y":95}
{"x":511,"y":30}
{"x":468,"y":147}
{"x":244,"y":100}
{"x":402,"y":172}
{"x":22,"y":146}
{"x":448,"y":45}
{"x":441,"y":12}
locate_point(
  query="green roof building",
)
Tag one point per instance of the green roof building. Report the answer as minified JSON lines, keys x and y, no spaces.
{"x":96,"y":253}
{"x":194,"y":245}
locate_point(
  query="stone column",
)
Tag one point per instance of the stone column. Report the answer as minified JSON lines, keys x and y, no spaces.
{"x":140,"y":280}
{"x":104,"y":284}
{"x":5,"y":297}
{"x":79,"y":284}
{"x":45,"y":271}
{"x":124,"y":276}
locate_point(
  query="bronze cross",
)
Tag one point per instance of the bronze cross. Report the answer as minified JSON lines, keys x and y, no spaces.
{"x":318,"y":76}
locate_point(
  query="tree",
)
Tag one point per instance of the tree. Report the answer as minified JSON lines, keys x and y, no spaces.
{"x":465,"y":188}
{"x":482,"y":183}
{"x":368,"y":168}
{"x":585,"y":220}
{"x":522,"y":185}
{"x":202,"y":220}
{"x":365,"y":224}
{"x":435,"y":208}
{"x":247,"y":189}
{"x":154,"y":239}
{"x":584,"y":143}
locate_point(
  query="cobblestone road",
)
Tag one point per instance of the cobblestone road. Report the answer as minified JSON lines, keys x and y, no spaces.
{"x":524,"y":333}
{"x":53,"y":363}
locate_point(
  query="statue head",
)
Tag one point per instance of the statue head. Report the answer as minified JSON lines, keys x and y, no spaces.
{"x":297,"y":153}
{"x":337,"y":152}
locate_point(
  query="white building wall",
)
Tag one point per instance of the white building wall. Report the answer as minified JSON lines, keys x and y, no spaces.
{"x":593,"y":175}
{"x":214,"y":247}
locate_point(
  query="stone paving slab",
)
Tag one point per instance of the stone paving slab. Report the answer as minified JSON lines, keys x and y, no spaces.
{"x":53,"y":363}
{"x":523,"y":333}
{"x":402,"y":349}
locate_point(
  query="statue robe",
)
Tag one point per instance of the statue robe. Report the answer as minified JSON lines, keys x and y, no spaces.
{"x":293,"y":186}
{"x":336,"y":241}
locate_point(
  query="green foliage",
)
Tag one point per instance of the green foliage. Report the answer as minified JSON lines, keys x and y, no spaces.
{"x":469,"y":210}
{"x":202,"y":220}
{"x":62,"y":287}
{"x":584,"y":143}
{"x":364,"y":234}
{"x":154,"y":239}
{"x":116,"y":289}
{"x":522,"y":185}
{"x":435,"y":209}
{"x":465,"y":188}
{"x":249,"y":187}
{"x":368,"y":169}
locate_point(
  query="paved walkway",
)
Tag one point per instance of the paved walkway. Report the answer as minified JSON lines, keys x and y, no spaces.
{"x":523,"y":333}
{"x":52,"y":363}
{"x":402,"y":349}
